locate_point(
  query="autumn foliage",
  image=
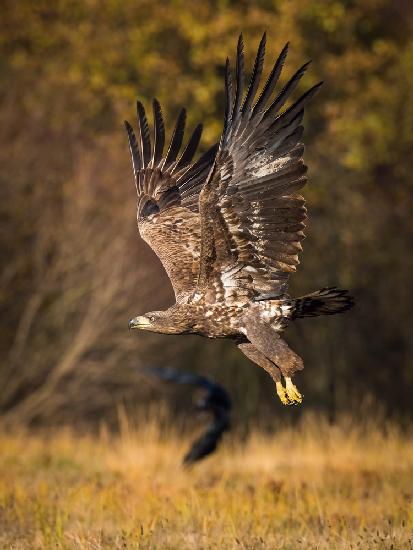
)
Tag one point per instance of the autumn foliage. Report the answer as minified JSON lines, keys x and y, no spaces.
{"x":74,"y":270}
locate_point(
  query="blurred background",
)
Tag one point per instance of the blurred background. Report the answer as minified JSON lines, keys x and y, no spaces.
{"x":74,"y":269}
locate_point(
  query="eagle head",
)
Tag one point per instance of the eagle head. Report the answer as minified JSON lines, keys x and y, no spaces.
{"x":172,"y":321}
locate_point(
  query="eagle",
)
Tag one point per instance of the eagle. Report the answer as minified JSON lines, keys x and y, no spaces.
{"x":228,"y":227}
{"x":215,"y":401}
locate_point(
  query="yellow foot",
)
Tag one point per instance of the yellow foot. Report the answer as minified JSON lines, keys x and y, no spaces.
{"x":282,"y":393}
{"x":294,"y":396}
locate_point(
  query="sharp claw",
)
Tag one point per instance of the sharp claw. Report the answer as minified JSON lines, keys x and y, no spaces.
{"x":293,"y":394}
{"x":282,"y":394}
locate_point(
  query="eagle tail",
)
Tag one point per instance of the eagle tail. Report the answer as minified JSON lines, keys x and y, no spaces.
{"x":326,"y":301}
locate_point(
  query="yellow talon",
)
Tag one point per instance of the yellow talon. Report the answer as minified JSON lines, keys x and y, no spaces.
{"x":293,"y":394}
{"x":282,"y":393}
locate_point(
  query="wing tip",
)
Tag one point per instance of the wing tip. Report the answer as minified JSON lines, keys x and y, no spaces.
{"x":139,"y":107}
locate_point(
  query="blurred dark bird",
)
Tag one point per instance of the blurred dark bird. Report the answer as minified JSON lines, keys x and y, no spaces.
{"x":215,"y":401}
{"x":228,"y":227}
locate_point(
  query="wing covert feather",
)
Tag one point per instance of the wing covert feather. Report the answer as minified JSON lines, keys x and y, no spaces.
{"x":228,"y":226}
{"x":168,"y":190}
{"x":252,"y":217}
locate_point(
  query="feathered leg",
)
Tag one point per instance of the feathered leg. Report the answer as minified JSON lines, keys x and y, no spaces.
{"x":269,"y":343}
{"x":259,"y":359}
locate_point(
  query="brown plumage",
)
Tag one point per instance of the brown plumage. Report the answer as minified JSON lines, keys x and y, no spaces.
{"x":228,"y":228}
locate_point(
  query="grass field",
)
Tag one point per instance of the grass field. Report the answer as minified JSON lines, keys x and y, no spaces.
{"x":312,"y":487}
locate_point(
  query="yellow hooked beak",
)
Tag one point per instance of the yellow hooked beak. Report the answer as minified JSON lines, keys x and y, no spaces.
{"x":139,"y":322}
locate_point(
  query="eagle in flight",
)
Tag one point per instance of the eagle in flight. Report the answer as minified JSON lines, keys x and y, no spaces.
{"x":228,"y":227}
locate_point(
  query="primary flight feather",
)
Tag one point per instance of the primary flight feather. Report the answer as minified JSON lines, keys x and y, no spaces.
{"x":228,"y":227}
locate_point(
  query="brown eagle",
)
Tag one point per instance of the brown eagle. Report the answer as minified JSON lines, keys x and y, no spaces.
{"x":228,"y":227}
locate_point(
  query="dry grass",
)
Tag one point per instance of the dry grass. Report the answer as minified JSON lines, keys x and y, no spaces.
{"x":311,"y":487}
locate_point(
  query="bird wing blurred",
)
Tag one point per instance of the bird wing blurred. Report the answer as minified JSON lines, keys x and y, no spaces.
{"x":217,"y":401}
{"x":252,"y":218}
{"x":173,"y":375}
{"x":168,"y":189}
{"x":206,"y":444}
{"x":215,"y":393}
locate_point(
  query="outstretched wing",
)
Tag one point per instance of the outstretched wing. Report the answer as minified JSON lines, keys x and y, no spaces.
{"x":180,"y":377}
{"x":252,"y":217}
{"x":168,"y":187}
{"x":215,"y":394}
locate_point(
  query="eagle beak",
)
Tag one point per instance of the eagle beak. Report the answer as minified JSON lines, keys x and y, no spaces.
{"x":139,"y":322}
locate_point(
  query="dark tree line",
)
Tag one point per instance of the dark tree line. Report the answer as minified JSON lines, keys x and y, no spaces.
{"x":73,"y":269}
